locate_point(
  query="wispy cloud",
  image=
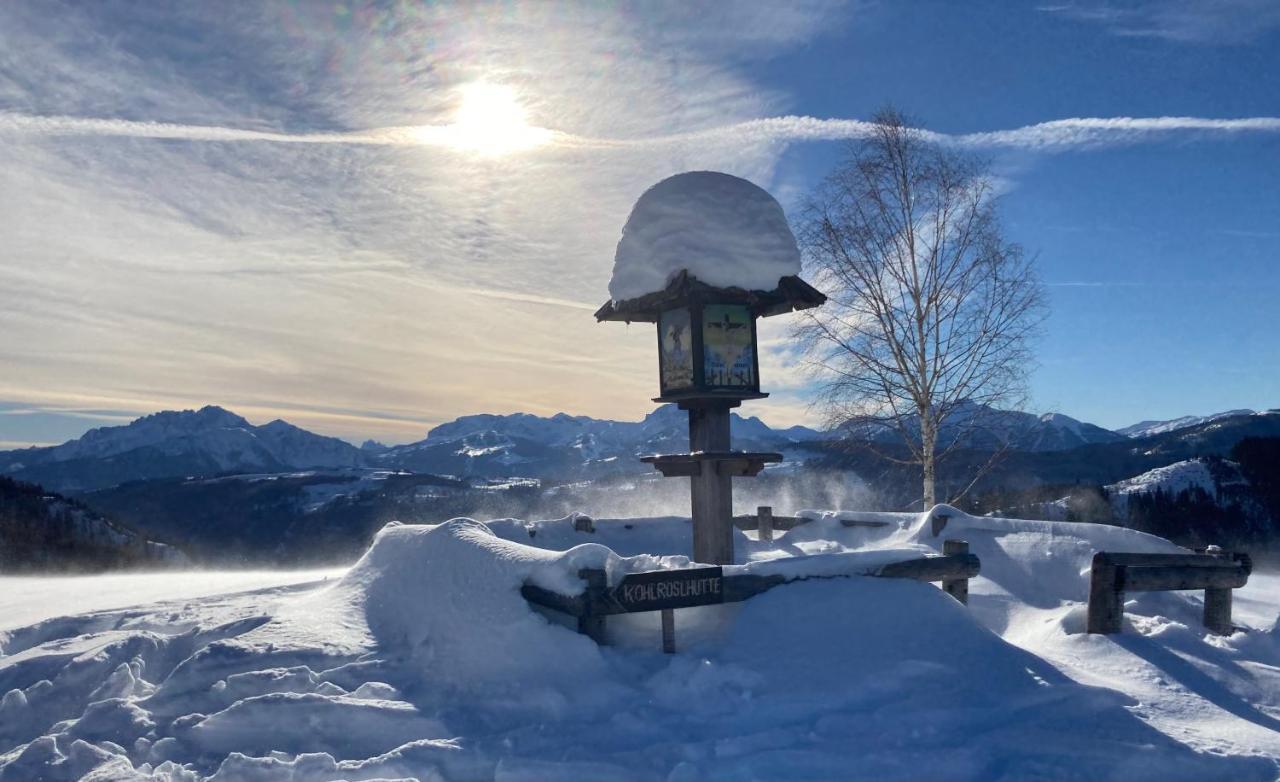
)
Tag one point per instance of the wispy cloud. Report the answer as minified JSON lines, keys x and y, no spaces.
{"x":288,"y":232}
{"x":1186,"y":21}
{"x":172,"y":241}
{"x":1053,"y":135}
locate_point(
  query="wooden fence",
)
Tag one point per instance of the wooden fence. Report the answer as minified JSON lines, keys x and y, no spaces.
{"x":667,"y":590}
{"x":764,"y":522}
{"x":1216,"y":572}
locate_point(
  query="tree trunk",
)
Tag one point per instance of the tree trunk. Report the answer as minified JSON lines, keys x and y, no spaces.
{"x":928,"y":444}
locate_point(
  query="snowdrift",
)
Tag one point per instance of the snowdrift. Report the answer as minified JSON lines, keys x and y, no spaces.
{"x":423,"y":661}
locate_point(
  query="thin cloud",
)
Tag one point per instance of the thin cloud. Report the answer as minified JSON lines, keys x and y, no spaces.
{"x":1054,"y":135}
{"x":1180,"y":21}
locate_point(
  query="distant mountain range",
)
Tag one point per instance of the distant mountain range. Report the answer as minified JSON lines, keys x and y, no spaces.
{"x":979,"y":427}
{"x":225,"y":490}
{"x":1148,"y":428}
{"x":213,"y":441}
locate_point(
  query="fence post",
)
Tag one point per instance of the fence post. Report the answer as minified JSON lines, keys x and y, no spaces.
{"x":764,"y":514}
{"x":668,"y":631}
{"x":1217,"y":601}
{"x":591,"y":623}
{"x":1106,"y":600}
{"x":956,"y":587}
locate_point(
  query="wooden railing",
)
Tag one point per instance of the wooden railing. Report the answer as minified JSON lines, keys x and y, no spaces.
{"x":764,"y":522}
{"x":667,"y":590}
{"x":1216,"y":572}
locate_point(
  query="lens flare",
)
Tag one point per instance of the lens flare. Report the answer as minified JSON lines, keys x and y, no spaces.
{"x":490,"y":121}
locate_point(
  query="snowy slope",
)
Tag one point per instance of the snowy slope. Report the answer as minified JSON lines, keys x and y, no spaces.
{"x":1175,"y":478}
{"x":424,"y":662}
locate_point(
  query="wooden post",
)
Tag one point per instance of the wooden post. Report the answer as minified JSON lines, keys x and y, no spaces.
{"x":956,"y":587}
{"x":764,"y":515}
{"x":711,"y":493}
{"x":1106,"y":600}
{"x":668,"y":631}
{"x":591,"y":622}
{"x":1217,"y":601}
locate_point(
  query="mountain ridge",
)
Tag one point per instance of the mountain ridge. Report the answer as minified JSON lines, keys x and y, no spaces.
{"x":214,"y":441}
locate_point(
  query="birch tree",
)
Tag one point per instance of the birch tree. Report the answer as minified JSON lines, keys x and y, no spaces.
{"x":931,"y":310}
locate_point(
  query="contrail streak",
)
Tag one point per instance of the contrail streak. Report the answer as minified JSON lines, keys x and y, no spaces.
{"x":1055,"y":135}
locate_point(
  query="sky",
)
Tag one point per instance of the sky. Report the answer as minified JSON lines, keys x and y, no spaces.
{"x":370,"y":218}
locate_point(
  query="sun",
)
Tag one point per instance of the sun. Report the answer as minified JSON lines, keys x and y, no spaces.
{"x":490,"y":120}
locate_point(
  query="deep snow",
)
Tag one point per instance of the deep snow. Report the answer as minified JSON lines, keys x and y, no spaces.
{"x":723,"y":230}
{"x":423,"y":661}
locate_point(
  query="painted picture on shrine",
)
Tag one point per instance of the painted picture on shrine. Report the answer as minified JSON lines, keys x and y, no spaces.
{"x":728,"y":348}
{"x":676,"y":350}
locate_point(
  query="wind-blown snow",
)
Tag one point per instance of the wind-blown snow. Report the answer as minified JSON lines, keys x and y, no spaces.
{"x":423,"y":661}
{"x":725,"y":231}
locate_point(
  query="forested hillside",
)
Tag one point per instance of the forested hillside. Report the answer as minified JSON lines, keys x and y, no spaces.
{"x":43,"y":531}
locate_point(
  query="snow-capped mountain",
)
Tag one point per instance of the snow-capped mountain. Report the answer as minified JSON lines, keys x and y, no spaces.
{"x":176,"y":443}
{"x":566,"y":446}
{"x":214,"y":441}
{"x":1148,"y":428}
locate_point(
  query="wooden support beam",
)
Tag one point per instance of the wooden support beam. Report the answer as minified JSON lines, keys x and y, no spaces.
{"x":1217,"y":600}
{"x":711,"y":492}
{"x":1149,"y":560}
{"x":861,"y":523}
{"x":573,"y":606}
{"x":591,"y":622}
{"x":1106,"y":601}
{"x":954,"y":566}
{"x":752,"y":522}
{"x":1155,"y":578}
{"x":668,"y":631}
{"x":764,"y":522}
{"x":956,"y":587}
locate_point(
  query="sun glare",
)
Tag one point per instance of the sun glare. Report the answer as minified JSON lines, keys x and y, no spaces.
{"x":491,"y":121}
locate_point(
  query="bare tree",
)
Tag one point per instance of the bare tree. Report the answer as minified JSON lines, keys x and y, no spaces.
{"x":931,"y":310}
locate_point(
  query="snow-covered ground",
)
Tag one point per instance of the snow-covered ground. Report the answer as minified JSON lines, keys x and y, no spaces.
{"x":26,"y":600}
{"x":422,"y":661}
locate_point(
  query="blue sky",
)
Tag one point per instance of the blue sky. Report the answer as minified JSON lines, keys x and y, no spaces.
{"x":248,"y":254}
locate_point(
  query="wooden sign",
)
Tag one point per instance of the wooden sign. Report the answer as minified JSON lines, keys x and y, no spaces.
{"x":664,"y":589}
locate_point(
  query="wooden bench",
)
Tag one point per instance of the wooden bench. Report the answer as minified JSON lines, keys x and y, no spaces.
{"x":1216,"y":572}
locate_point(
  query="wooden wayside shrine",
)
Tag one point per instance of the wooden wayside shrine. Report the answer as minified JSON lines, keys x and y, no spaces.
{"x":708,"y":364}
